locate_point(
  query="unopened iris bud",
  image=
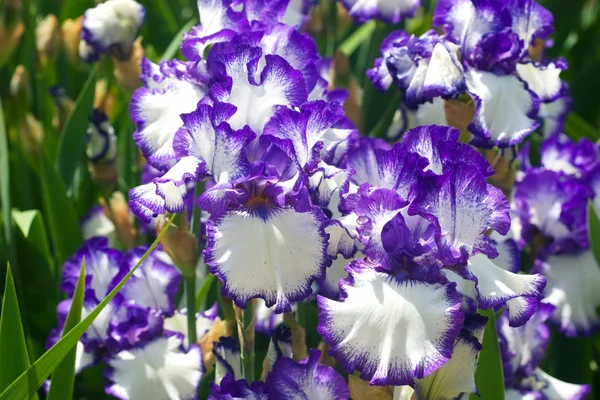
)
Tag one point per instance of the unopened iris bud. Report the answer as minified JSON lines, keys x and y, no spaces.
{"x":101,"y":149}
{"x":47,"y":38}
{"x":128,"y":72}
{"x":118,"y":212}
{"x":31,"y":133}
{"x":110,"y":27}
{"x":10,"y":35}
{"x":71,"y":31}
{"x":180,"y":244}
{"x":64,"y":106}
{"x":20,"y":88}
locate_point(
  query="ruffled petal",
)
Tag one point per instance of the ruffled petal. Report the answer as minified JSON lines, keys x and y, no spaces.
{"x":572,"y":288}
{"x":154,"y":284}
{"x":159,"y":370}
{"x":299,"y":133}
{"x":230,"y":389}
{"x":290,"y":379}
{"x":178,"y":323}
{"x":101,"y":266}
{"x":458,"y":374}
{"x":377,"y":327}
{"x":391,"y":11}
{"x":524,"y":347}
{"x":167,"y":193}
{"x":496,"y":285}
{"x":267,"y":252}
{"x":530,"y":20}
{"x":543,"y":80}
{"x":156,"y":113}
{"x":96,"y":223}
{"x":505,"y":110}
{"x":553,"y":388}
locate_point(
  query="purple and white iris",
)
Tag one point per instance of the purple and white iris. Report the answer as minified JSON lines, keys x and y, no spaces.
{"x":550,"y":203}
{"x":254,"y":119}
{"x":391,"y":11}
{"x":522,"y":349}
{"x":110,"y":27}
{"x":421,"y":215}
{"x":482,"y":54}
{"x":140,"y":335}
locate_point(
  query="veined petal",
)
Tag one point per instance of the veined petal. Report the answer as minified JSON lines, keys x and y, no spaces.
{"x":267,"y":252}
{"x":159,"y":370}
{"x":505,"y":109}
{"x":462,"y":206}
{"x":553,"y":388}
{"x":364,"y":162}
{"x":530,"y":20}
{"x":377,"y":327}
{"x":457,"y":376}
{"x":230,"y":389}
{"x":554,"y":114}
{"x":156,"y":113}
{"x":391,"y":11}
{"x":290,"y":379}
{"x":101,"y":266}
{"x":543,"y":80}
{"x":496,"y":285}
{"x":330,"y":286}
{"x":299,"y":133}
{"x":514,"y":394}
{"x":573,"y":280}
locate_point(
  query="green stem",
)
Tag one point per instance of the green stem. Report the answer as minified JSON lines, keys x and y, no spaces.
{"x":246,"y":335}
{"x":190,"y":296}
{"x":331,"y":29}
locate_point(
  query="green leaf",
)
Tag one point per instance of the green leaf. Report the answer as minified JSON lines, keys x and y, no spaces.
{"x":37,"y":275}
{"x":59,"y":212}
{"x":593,"y":226}
{"x":13,"y":347}
{"x":29,"y":381}
{"x":489,"y":376}
{"x":63,"y":378}
{"x":352,"y":42}
{"x":71,"y":145}
{"x":173,"y":47}
{"x":5,"y":186}
{"x":31,"y":225}
{"x":204,"y":289}
{"x":577,"y":128}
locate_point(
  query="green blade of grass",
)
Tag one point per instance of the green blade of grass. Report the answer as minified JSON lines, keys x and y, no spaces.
{"x":353,"y":42}
{"x":173,"y":47}
{"x":14,"y":360}
{"x":28,"y":382}
{"x":5,"y":188}
{"x":203,"y":292}
{"x":71,"y":144}
{"x":489,"y":376}
{"x":63,"y":377}
{"x":59,"y":212}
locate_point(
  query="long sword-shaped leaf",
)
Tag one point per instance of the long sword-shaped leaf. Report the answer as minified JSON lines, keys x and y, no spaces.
{"x":593,"y":226}
{"x":489,"y":376}
{"x":5,"y":187}
{"x":71,"y":144}
{"x":14,"y":358}
{"x":63,"y":378}
{"x":59,"y":212}
{"x":29,"y":381}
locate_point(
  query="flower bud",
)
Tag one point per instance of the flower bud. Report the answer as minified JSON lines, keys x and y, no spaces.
{"x":180,"y":244}
{"x":71,"y":31}
{"x":119,"y":214}
{"x":110,"y":27}
{"x":31,"y":133}
{"x":47,"y":38}
{"x":20,"y":88}
{"x":104,"y":99}
{"x":101,"y":149}
{"x":219,"y":329}
{"x":64,"y":106}
{"x":10,"y":35}
{"x":128,"y":72}
{"x":505,"y":172}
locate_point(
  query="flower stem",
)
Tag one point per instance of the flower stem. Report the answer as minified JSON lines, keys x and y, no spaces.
{"x":190,"y":296}
{"x":301,"y":313}
{"x":246,"y":322}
